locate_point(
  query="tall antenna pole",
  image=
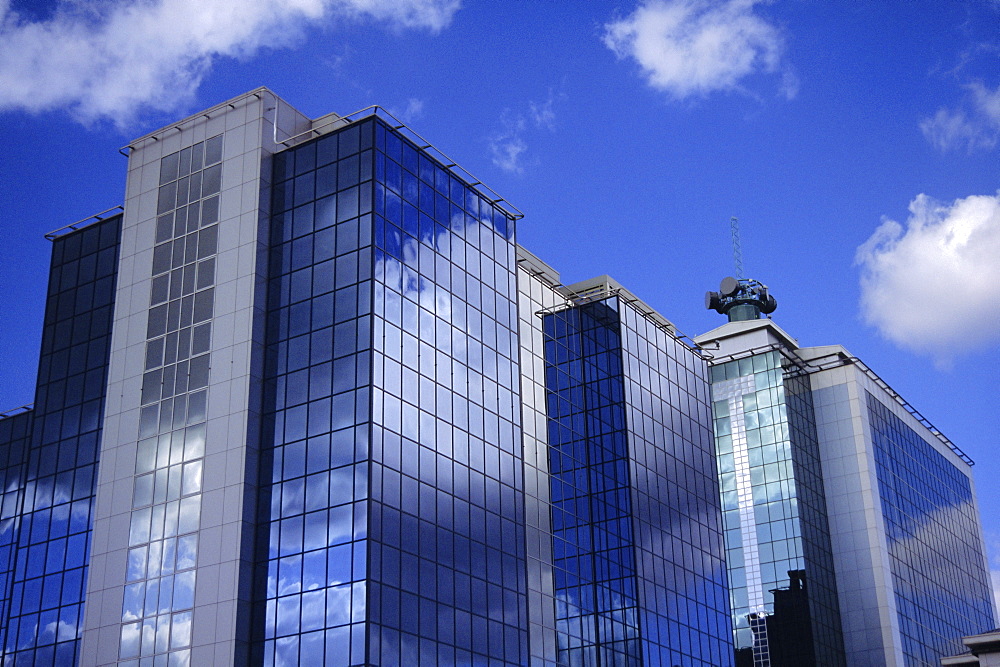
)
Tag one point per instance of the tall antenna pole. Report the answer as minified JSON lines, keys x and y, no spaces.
{"x":740,"y":299}
{"x":734,"y":227}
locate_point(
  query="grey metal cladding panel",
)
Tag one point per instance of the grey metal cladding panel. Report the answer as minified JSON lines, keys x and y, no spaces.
{"x":227,"y":260}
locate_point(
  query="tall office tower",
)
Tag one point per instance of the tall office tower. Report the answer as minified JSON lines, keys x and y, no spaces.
{"x":50,"y":454}
{"x":837,"y":494}
{"x":638,"y":556}
{"x":293,"y":406}
{"x":425,"y":410}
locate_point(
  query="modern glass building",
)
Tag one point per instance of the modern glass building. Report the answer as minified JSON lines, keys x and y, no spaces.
{"x":638,"y":559}
{"x":852,"y":532}
{"x":303,"y":399}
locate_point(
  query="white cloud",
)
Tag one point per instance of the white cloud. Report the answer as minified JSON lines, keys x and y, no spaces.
{"x":542,"y":115}
{"x":972,"y":126}
{"x":933,"y":285}
{"x":508,"y":146}
{"x":413,"y":110}
{"x":987,"y":103}
{"x":695,"y":47}
{"x":952,"y":129}
{"x":113,"y":60}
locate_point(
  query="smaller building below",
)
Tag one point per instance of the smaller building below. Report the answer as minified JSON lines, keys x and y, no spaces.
{"x":984,"y":650}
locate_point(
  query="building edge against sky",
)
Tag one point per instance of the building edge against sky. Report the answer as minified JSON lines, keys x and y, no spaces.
{"x":299,"y":430}
{"x":896,"y":497}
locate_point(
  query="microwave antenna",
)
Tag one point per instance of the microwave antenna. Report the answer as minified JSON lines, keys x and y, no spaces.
{"x":740,"y":298}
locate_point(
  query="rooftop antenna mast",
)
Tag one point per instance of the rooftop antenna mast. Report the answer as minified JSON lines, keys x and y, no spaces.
{"x":740,"y":298}
{"x":734,"y":227}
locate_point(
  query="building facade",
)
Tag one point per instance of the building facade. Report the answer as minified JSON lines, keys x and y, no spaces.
{"x":304,"y":399}
{"x":774,"y":510}
{"x":852,"y":531}
{"x":638,"y":556}
{"x":51,"y":454}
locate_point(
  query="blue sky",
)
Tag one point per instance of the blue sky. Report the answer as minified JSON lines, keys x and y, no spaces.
{"x":857,"y":142}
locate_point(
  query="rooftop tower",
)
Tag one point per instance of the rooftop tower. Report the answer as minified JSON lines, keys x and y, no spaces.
{"x":740,"y":298}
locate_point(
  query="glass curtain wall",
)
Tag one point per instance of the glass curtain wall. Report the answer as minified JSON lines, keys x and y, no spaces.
{"x":313,"y":517}
{"x":537,"y":293}
{"x":447,"y":523}
{"x":395,"y":511}
{"x":639,"y":570}
{"x":15,"y":441}
{"x":53,"y":522}
{"x":679,"y":553}
{"x":776,"y":532}
{"x":597,"y":617}
{"x":935,"y":550}
{"x":819,"y":580}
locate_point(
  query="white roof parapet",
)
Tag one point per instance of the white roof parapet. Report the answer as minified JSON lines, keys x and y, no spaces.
{"x":742,"y":327}
{"x":985,"y":645}
{"x":328,"y":123}
{"x":808,"y":360}
{"x":535,"y":266}
{"x":201,"y":115}
{"x":604,"y":286}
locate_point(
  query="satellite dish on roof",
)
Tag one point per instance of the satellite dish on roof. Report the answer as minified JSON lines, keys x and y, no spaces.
{"x":712,"y":301}
{"x":729,"y":286}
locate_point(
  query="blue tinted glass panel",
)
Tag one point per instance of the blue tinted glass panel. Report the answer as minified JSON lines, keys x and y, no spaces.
{"x":935,"y":551}
{"x":49,"y":548}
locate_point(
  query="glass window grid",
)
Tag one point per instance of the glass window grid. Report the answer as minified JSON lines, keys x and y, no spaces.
{"x":671,"y":447}
{"x":310,"y":592}
{"x":930,"y":517}
{"x":444,"y":280}
{"x":788,"y":500}
{"x":596,"y":592}
{"x":817,"y":550}
{"x":158,"y":601}
{"x":675,"y":627}
{"x":313,"y":194}
{"x":15,"y":443}
{"x":48,"y":579}
{"x":535,"y":295}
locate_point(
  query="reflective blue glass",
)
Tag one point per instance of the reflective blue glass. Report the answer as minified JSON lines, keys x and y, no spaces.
{"x":783,"y":591}
{"x":447,"y":526}
{"x":636,"y":535}
{"x":935,"y":550}
{"x":15,"y":441}
{"x":395,"y":527}
{"x":45,"y":526}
